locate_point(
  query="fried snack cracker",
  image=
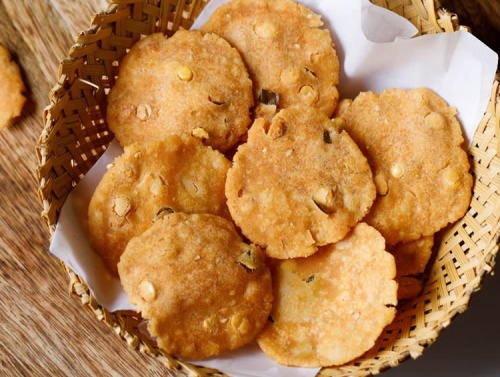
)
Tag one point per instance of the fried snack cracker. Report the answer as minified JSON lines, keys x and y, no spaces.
{"x":202,"y":288}
{"x":151,"y":179}
{"x":409,"y":287}
{"x":412,"y":140}
{"x":187,"y":84}
{"x":411,"y":261}
{"x":331,"y":307}
{"x":290,"y":59}
{"x":298,"y":183}
{"x":11,"y":91}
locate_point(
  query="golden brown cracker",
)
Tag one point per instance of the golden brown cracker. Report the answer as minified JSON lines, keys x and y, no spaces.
{"x":413,"y":142}
{"x":201,"y":287}
{"x":285,"y":49}
{"x":189,"y":84}
{"x":412,"y":257}
{"x":409,"y":287}
{"x":298,"y":183}
{"x":331,"y":307}
{"x":11,"y":91}
{"x":151,"y":179}
{"x":411,"y":261}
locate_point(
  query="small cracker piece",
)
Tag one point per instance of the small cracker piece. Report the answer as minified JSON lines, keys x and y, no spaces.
{"x":412,"y":259}
{"x":148,"y":181}
{"x":413,"y":142}
{"x":11,"y":90}
{"x":188,"y":84}
{"x":298,"y":183}
{"x":331,"y":307}
{"x":202,"y":288}
{"x":285,"y":49}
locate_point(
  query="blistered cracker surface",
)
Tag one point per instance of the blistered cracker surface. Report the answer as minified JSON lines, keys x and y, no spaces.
{"x":175,"y":174}
{"x":298,"y":183}
{"x":11,"y":89}
{"x":178,"y":85}
{"x":285,"y":49}
{"x":413,"y":142}
{"x":202,"y":288}
{"x":331,"y":307}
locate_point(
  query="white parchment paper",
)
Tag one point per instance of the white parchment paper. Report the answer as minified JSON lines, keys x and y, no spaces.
{"x":376,"y":53}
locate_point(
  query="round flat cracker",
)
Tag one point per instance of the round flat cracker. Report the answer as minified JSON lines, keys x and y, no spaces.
{"x":151,"y":179}
{"x":11,"y":91}
{"x":284,"y":49}
{"x":187,"y":84}
{"x":412,"y":140}
{"x":298,"y":183}
{"x":331,"y":307}
{"x":202,"y":288}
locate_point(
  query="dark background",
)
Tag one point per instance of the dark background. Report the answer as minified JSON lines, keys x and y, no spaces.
{"x":481,"y":16}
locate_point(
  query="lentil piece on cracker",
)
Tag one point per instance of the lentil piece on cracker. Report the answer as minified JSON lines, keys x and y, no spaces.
{"x":298,"y":183}
{"x":201,"y":287}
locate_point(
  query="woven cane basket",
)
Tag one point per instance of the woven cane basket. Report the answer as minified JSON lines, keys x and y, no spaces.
{"x":75,"y":135}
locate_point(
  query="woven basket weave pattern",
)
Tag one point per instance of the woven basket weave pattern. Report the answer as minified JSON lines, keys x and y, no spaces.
{"x":75,"y":134}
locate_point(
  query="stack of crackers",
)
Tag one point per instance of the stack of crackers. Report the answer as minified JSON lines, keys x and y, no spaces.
{"x":252,"y":202}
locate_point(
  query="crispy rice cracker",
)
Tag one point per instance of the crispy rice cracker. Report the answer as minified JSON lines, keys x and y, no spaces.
{"x":331,"y":307}
{"x":412,"y":140}
{"x":187,"y":84}
{"x":151,"y":179}
{"x":285,"y":50}
{"x":202,"y":288}
{"x":11,"y":91}
{"x":298,"y":183}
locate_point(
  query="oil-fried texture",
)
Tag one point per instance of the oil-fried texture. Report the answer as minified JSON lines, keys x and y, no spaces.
{"x":11,"y":91}
{"x":201,"y":287}
{"x":413,"y":142}
{"x":285,"y":49}
{"x":298,"y":183}
{"x":187,"y":84}
{"x":149,"y":180}
{"x":411,"y":261}
{"x":331,"y":307}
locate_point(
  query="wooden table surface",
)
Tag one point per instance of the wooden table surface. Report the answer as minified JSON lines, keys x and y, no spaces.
{"x":44,"y":331}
